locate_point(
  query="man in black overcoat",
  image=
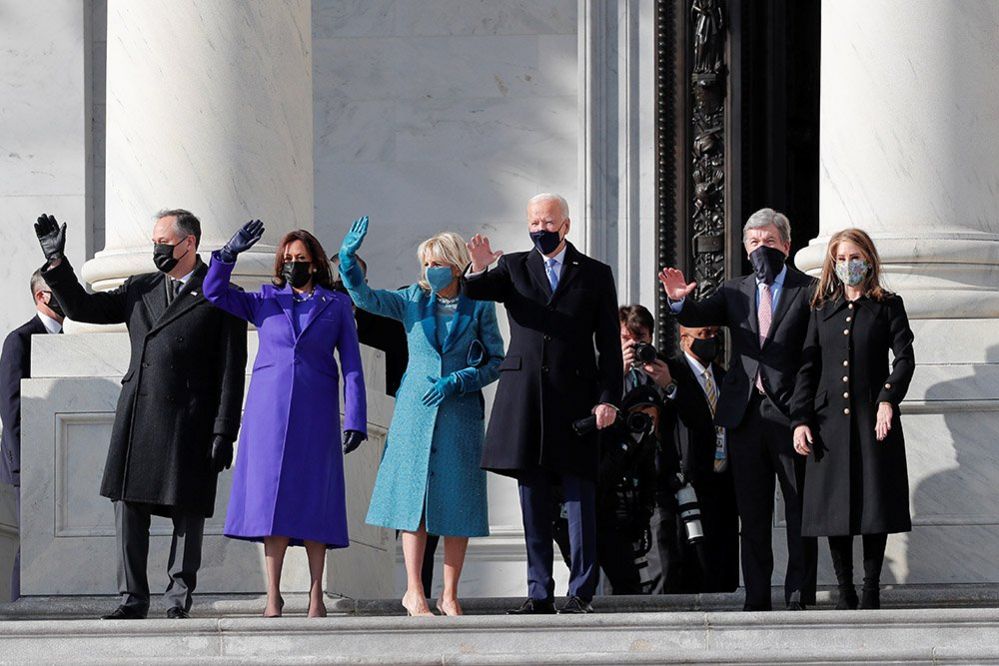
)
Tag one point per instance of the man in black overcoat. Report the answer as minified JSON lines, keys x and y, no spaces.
{"x":563,"y":364}
{"x":15,"y":365}
{"x":703,"y":452}
{"x":767,"y":315}
{"x":179,"y":409}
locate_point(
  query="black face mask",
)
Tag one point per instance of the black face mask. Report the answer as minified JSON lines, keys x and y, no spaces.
{"x":767,"y":262}
{"x":546,"y":241}
{"x":297,"y":273}
{"x":705,"y":349}
{"x":163,"y":257}
{"x":55,"y":306}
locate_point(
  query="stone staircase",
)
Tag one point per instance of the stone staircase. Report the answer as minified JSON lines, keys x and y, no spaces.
{"x":625,"y":630}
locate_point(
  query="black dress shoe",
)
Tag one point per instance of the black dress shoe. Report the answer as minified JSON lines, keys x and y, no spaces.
{"x":124,"y":613}
{"x":575,"y":606}
{"x":753,"y":608}
{"x":177,"y":613}
{"x":847,"y":598}
{"x":534,"y":607}
{"x":795,"y":606}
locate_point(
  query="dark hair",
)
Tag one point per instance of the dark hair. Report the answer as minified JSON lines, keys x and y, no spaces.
{"x":185,"y":222}
{"x":636,"y":317}
{"x":335,"y":270}
{"x":323,"y":274}
{"x":37,"y":283}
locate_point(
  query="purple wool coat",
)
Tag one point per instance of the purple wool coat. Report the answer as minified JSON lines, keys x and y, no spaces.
{"x":288,"y":479}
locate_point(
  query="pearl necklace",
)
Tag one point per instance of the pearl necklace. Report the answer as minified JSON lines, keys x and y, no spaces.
{"x":299,"y":298}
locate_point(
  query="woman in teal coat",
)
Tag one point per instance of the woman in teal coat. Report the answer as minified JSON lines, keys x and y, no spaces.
{"x":429,"y":478}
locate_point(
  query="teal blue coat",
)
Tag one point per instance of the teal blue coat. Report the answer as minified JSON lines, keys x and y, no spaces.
{"x":430,"y":466}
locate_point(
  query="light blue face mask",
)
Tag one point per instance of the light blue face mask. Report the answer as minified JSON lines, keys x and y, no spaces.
{"x":852,"y":272}
{"x":439,"y":277}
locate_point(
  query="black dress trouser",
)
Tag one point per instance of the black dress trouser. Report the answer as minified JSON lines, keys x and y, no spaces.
{"x":132,"y":521}
{"x":760,"y":452}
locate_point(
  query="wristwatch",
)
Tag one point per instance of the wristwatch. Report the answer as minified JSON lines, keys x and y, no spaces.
{"x":669,"y":391}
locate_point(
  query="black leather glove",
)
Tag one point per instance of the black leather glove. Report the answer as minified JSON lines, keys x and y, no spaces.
{"x":221,"y":453}
{"x":51,"y":237}
{"x":352,"y":439}
{"x":242,"y":240}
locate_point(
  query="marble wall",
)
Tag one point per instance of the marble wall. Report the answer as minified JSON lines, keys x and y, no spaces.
{"x":43,"y":161}
{"x":43,"y":138}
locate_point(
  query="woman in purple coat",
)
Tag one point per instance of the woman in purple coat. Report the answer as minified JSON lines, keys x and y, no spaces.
{"x":288,"y":487}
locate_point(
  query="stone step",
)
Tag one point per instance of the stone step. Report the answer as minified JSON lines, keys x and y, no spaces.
{"x":250,"y":605}
{"x":951,"y":635}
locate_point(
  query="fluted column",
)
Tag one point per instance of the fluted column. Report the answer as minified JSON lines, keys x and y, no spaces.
{"x":910,"y":152}
{"x":209,"y":108}
{"x":909,"y":145}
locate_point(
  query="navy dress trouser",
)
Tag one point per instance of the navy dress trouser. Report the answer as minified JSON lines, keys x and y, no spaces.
{"x":536,"y":507}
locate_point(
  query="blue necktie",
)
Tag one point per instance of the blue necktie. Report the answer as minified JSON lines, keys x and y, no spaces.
{"x":550,"y":265}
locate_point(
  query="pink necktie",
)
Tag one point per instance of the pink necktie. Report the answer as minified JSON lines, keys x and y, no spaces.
{"x":764,"y":315}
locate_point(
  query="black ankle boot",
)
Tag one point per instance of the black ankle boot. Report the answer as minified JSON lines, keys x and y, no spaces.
{"x":847,"y":598}
{"x":841,"y":550}
{"x":870,"y":597}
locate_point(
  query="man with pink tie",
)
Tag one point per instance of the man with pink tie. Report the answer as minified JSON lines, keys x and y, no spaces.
{"x":767,"y":314}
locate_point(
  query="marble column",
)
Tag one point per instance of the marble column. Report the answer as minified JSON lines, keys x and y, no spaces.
{"x":909,"y":139}
{"x":209,"y":108}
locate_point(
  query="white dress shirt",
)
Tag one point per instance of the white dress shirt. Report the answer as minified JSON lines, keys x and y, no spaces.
{"x":51,"y":325}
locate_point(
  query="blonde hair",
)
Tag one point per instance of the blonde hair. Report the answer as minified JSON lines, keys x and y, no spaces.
{"x":830,"y":287}
{"x":448,"y":247}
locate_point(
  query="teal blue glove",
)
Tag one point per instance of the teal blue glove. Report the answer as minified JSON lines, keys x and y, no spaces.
{"x":442,"y":388}
{"x":352,"y":243}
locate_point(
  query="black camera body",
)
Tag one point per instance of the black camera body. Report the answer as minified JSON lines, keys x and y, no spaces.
{"x":635,"y":422}
{"x":644,"y":353}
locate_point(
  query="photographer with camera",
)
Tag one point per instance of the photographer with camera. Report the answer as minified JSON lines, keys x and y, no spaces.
{"x":626,"y":487}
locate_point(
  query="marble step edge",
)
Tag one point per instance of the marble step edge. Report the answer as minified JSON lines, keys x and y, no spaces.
{"x":967,"y":595}
{"x":662,"y":621}
{"x":889,"y":636}
{"x":713,"y":657}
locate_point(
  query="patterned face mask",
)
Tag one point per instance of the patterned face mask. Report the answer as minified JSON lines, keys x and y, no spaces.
{"x":852,"y":272}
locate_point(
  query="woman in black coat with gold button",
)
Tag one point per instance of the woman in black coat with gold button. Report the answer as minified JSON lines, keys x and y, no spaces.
{"x":845,"y":413}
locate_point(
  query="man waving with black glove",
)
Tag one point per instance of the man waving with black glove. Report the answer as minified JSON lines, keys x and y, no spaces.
{"x":179,"y":409}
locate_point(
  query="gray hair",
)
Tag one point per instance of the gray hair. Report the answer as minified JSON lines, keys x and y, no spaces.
{"x":766,"y":217}
{"x":38,"y":283}
{"x":551,"y":196}
{"x":184,"y":222}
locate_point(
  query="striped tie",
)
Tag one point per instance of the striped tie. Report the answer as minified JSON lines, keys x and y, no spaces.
{"x":721,"y":455}
{"x":710,"y":390}
{"x":764,"y":316}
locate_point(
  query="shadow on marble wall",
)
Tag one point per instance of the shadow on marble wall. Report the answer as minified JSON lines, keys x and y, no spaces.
{"x":955,"y":537}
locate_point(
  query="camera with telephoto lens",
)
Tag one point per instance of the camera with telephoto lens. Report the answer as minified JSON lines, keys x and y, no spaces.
{"x":644,"y":353}
{"x":690,"y":512}
{"x":636,"y":422}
